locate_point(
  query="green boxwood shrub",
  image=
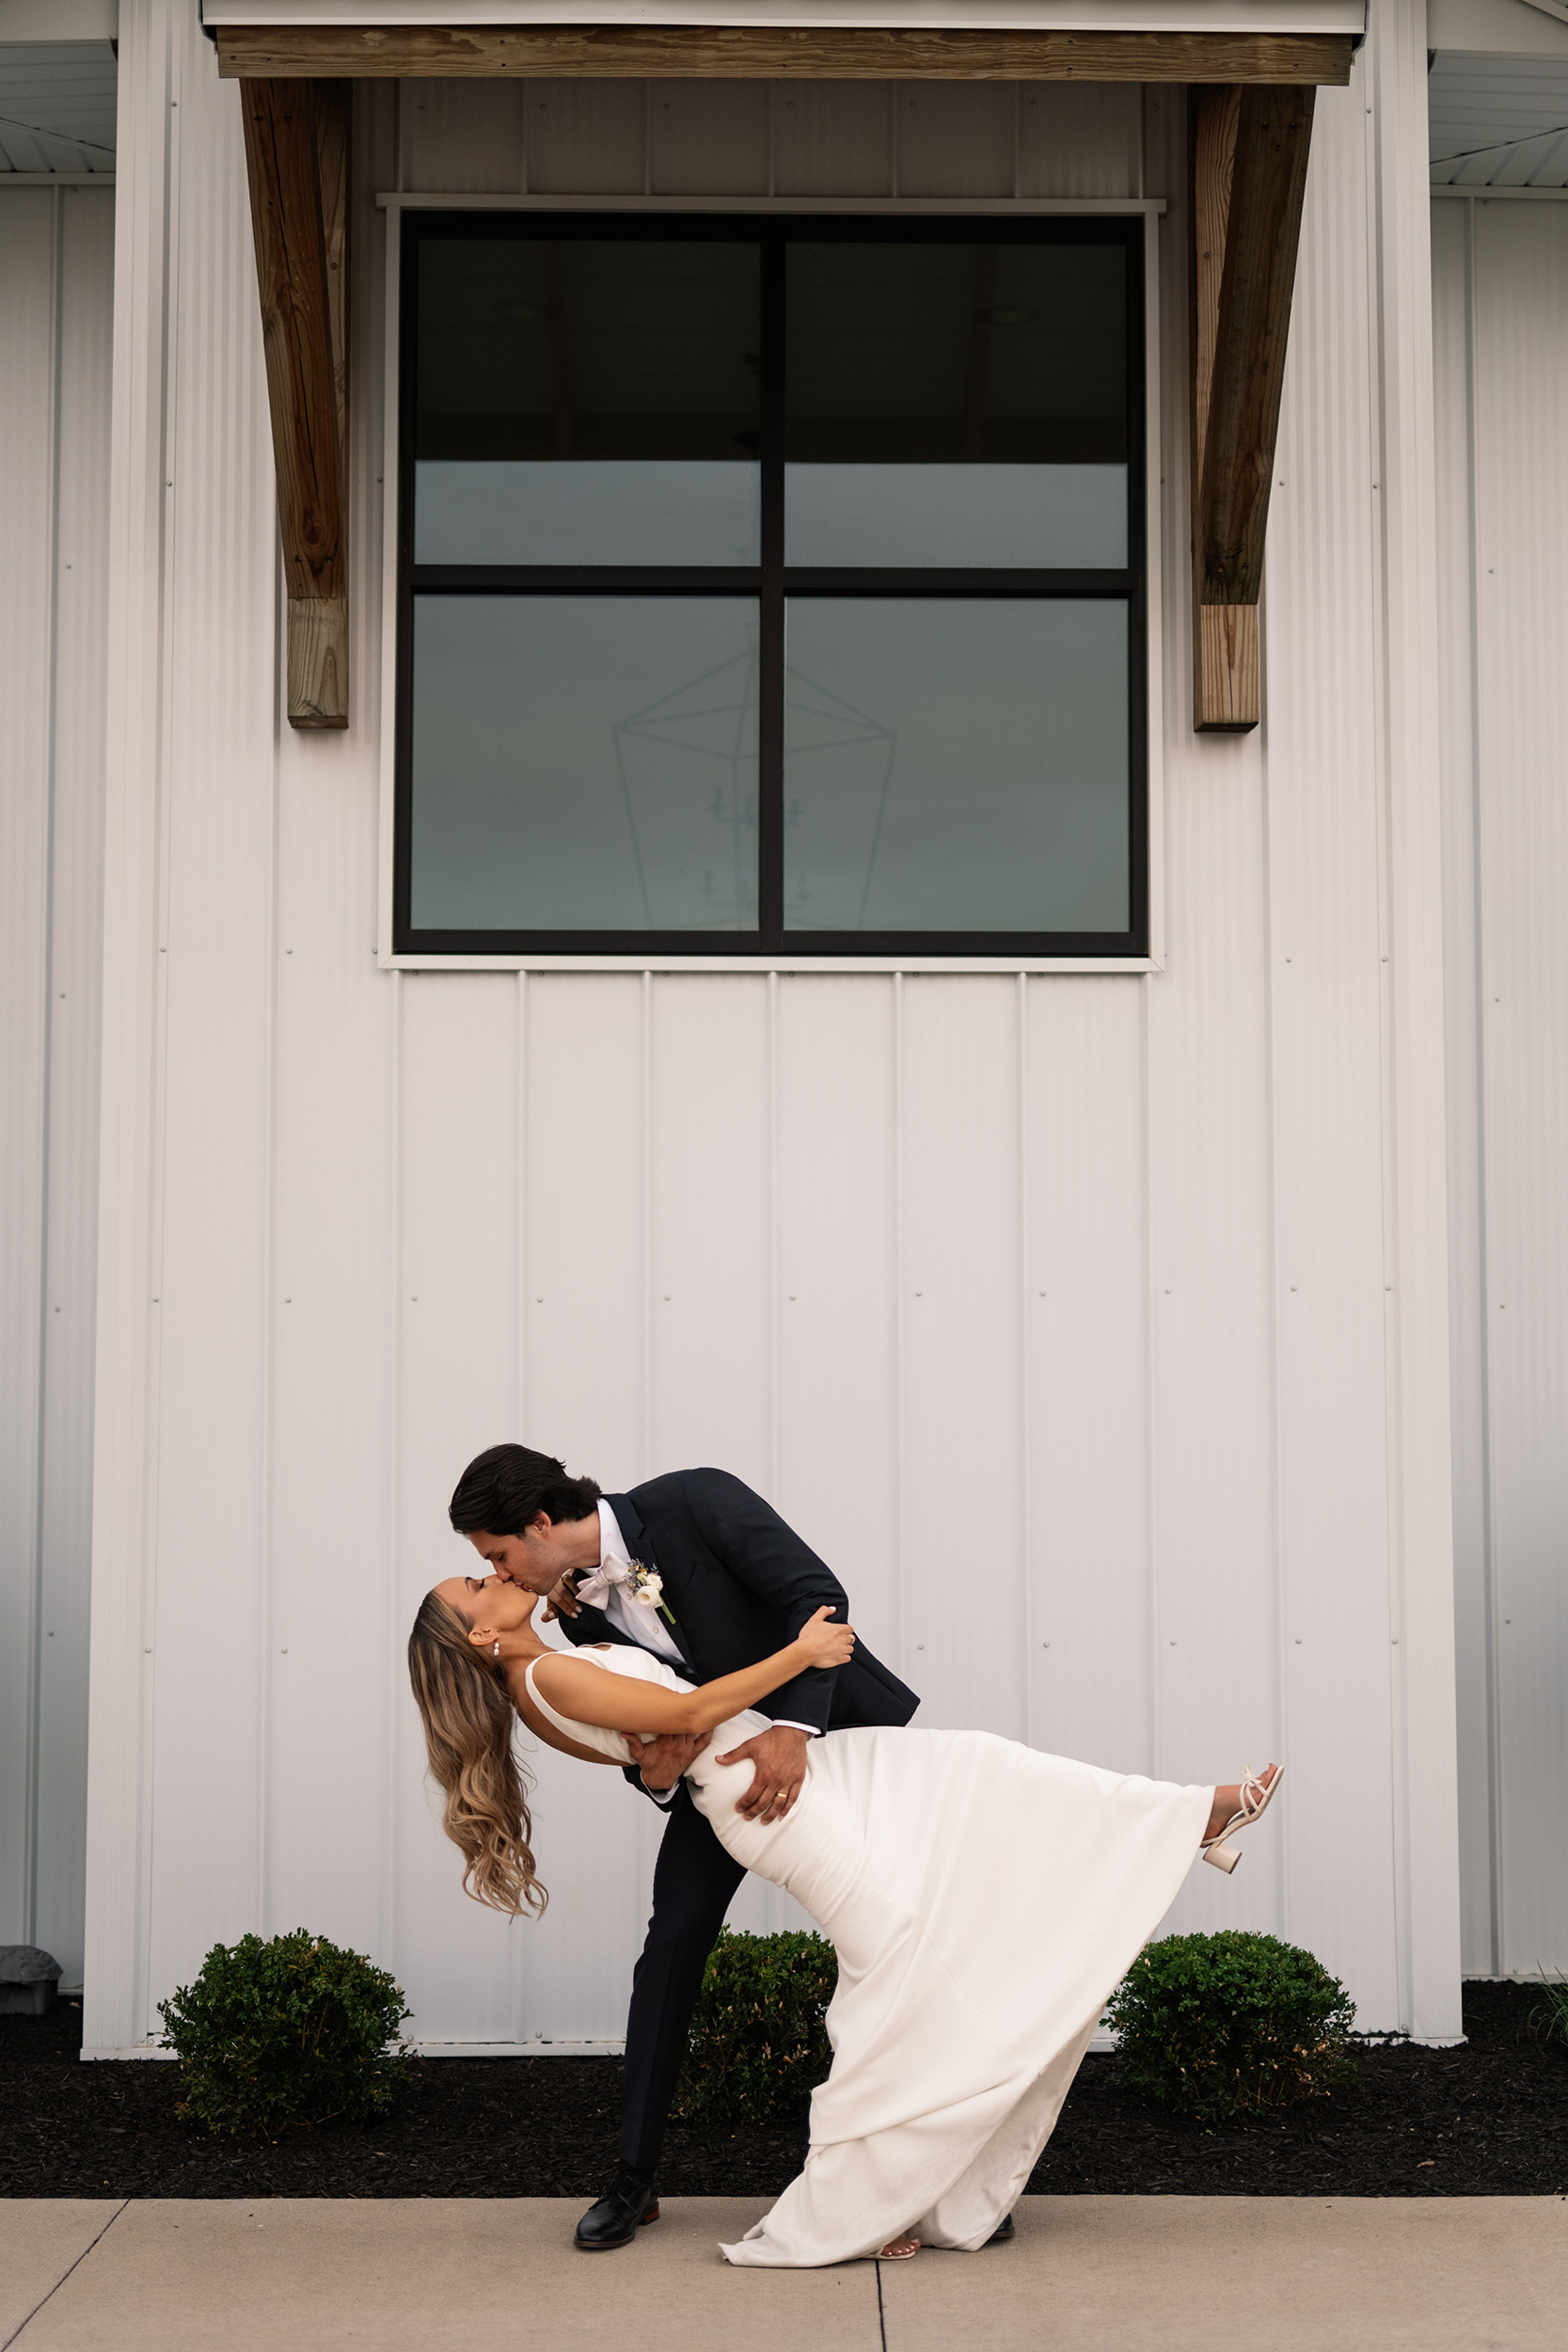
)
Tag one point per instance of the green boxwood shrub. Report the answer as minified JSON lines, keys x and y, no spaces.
{"x":279,"y":2036}
{"x":1215,"y":2026}
{"x":758,"y":2048}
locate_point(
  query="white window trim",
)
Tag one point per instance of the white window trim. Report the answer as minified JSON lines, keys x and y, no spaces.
{"x":1151,"y":209}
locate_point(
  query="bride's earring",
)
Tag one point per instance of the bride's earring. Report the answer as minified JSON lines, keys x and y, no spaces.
{"x":498,"y":1650}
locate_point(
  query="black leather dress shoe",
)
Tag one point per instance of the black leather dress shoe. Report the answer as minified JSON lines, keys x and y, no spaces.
{"x":1002,"y":2234}
{"x":627,"y":2203}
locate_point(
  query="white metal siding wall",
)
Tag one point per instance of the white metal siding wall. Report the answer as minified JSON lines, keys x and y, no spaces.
{"x":1500,"y":278}
{"x":56,"y":261}
{"x":1054,"y":1312}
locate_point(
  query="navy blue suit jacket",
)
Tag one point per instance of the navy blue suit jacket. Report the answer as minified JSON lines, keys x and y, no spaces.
{"x":740,"y":1584}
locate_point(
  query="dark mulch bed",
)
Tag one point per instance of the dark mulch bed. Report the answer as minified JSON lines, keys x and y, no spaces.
{"x":1487,"y":2120}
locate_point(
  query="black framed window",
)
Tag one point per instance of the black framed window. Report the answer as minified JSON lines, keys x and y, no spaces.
{"x":771,"y":586}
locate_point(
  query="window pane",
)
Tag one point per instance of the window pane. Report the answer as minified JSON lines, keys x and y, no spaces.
{"x":1068,"y":518}
{"x":955,"y":766}
{"x":593,"y":510}
{"x":956,"y":403}
{"x":584,"y":763}
{"x":587,"y":401}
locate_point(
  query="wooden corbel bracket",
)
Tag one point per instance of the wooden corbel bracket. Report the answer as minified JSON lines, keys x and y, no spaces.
{"x":1249,"y":150}
{"x":297,"y":143}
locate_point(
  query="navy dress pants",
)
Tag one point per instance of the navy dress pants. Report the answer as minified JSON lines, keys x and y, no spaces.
{"x":694,"y":1881}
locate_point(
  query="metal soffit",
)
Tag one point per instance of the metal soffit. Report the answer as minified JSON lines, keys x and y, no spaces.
{"x":1497,"y":121}
{"x":57,"y":102}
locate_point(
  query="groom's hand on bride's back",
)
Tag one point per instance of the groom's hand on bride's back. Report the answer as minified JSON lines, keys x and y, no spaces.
{"x":778,"y":1760}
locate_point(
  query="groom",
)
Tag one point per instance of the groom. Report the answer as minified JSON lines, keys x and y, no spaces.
{"x":698,"y":1569}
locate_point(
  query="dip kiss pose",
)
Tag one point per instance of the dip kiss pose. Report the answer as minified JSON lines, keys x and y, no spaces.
{"x":984,"y":1899}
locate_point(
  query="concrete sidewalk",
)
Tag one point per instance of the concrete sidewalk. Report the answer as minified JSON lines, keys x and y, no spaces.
{"x":1085,"y":2274}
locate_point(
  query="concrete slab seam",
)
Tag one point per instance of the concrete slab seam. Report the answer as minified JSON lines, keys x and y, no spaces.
{"x":18,"y":2332}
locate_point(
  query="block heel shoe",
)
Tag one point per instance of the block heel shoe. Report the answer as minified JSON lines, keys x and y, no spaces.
{"x":1257,"y":1796}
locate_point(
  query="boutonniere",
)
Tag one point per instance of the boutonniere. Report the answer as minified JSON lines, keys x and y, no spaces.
{"x":648,"y":1586}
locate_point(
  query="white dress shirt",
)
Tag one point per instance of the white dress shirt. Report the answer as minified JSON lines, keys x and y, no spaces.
{"x":643,"y":1624}
{"x":629,"y":1615}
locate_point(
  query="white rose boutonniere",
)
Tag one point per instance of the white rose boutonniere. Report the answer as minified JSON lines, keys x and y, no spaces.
{"x":648,"y":1585}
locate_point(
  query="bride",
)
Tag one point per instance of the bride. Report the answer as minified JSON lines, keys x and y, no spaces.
{"x":984,"y":1900}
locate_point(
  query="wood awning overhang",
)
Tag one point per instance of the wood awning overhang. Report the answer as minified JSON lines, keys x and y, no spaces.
{"x":1256,"y":65}
{"x":769,"y":52}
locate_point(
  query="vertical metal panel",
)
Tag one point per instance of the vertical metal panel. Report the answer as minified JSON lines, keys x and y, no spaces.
{"x":834,"y":138}
{"x":835,"y":1472}
{"x":56,"y":265}
{"x":213,"y":1272}
{"x":1324,"y":991}
{"x":86,"y":250}
{"x":125,"y":1542}
{"x":710,"y":1308}
{"x":586,"y":138}
{"x":28,"y":300}
{"x":708,"y":138}
{"x":330,"y":1653}
{"x":460,"y":136}
{"x":961,"y":1309}
{"x":1212,"y":1632}
{"x":1085,"y":1278}
{"x":457,"y":1275}
{"x":1453,"y":408}
{"x":1080,"y":140}
{"x":1521,"y":337}
{"x":584,"y":1324}
{"x":1426,"y":1848}
{"x":957,"y":138}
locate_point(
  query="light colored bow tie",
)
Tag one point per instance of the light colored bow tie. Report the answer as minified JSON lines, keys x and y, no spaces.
{"x":595,"y":1588}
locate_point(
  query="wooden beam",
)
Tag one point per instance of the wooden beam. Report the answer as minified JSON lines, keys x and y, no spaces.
{"x":572,"y":51}
{"x":1225,"y":693}
{"x":297,"y":157}
{"x":1249,"y":176}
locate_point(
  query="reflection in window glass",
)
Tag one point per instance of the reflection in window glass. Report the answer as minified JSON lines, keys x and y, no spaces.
{"x":956,"y":765}
{"x":584,"y":763}
{"x":587,"y":401}
{"x":999,"y":369}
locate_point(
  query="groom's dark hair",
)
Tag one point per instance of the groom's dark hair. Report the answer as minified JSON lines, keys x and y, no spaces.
{"x":504,"y":1490}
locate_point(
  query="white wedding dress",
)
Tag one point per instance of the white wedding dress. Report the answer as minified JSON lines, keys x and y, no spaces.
{"x":984,"y":1901}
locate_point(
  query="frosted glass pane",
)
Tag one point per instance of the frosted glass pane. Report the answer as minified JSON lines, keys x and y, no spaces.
{"x":1060,"y":517}
{"x":955,"y":766}
{"x":587,"y":510}
{"x":584,"y":763}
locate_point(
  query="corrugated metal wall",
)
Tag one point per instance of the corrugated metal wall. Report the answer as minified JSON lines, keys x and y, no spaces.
{"x":56,"y":270}
{"x":1500,"y":322}
{"x":1058,"y":1311}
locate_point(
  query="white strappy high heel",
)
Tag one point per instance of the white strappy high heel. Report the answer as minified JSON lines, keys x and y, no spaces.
{"x":1257,"y":1796}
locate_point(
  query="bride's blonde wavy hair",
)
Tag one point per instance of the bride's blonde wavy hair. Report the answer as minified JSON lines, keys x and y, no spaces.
{"x":469,"y":1726}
